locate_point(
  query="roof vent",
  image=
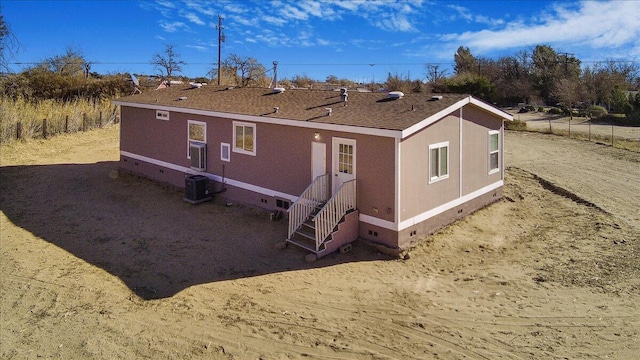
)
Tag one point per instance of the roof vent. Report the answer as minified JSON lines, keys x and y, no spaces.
{"x":278,"y":90}
{"x":328,"y":111}
{"x":395,"y":94}
{"x":182,"y":98}
{"x":436,"y":97}
{"x":343,"y":95}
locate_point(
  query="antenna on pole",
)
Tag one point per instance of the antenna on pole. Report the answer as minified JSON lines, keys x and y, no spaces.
{"x":221,"y":39}
{"x":275,"y":74}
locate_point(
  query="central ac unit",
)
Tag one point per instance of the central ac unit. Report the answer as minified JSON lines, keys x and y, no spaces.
{"x":198,"y":156}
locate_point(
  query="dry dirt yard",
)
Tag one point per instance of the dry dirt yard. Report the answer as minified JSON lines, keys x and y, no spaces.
{"x":99,"y":266}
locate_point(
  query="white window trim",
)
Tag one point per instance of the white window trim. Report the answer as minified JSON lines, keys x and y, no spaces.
{"x":228,"y":152}
{"x":242,"y":151}
{"x":162,"y":115}
{"x":493,"y":171}
{"x":433,"y":179}
{"x":194,"y":122}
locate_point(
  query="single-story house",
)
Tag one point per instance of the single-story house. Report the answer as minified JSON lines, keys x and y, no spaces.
{"x":388,"y":168}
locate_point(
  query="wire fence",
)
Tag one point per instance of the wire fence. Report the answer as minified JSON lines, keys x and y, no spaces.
{"x":26,"y":121}
{"x":624,"y":137}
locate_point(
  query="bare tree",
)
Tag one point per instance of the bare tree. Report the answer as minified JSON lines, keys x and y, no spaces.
{"x":8,"y":43}
{"x":71,"y":63}
{"x":241,"y":71}
{"x":435,"y":77}
{"x":167,"y":62}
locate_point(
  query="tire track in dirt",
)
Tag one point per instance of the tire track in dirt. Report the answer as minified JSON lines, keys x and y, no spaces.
{"x":608,"y":179}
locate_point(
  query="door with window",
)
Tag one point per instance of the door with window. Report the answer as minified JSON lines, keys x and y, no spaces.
{"x":344,"y":162}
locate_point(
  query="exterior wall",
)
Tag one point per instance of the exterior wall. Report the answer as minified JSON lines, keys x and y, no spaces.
{"x":467,"y":132}
{"x":476,"y":125}
{"x":414,"y":234}
{"x":417,"y":194}
{"x":281,"y":168}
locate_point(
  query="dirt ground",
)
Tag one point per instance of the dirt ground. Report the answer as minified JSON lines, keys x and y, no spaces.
{"x":97,"y":265}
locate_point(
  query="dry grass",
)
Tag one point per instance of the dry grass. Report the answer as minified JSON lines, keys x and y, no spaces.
{"x":60,"y":117}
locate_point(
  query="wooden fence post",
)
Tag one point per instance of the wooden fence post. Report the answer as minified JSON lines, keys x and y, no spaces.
{"x":550,"y":132}
{"x":44,"y":128}
{"x":84,"y":122}
{"x":569,"y":128}
{"x":100,"y":119}
{"x":66,"y":124}
{"x":589,"y":130}
{"x":19,"y":130}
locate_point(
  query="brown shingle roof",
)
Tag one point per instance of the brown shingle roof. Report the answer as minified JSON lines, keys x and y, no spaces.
{"x":371,"y":110}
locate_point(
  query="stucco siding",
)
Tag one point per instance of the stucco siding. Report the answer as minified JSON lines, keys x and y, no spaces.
{"x":417,"y":193}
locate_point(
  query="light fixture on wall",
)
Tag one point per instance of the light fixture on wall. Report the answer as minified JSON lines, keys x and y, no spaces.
{"x":316,"y":136}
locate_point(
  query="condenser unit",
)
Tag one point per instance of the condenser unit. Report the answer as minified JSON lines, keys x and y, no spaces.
{"x":198,"y":153}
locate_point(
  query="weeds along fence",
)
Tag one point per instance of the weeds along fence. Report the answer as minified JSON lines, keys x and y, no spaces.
{"x":20,"y":119}
{"x":624,"y":137}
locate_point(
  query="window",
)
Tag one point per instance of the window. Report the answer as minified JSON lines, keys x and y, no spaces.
{"x":438,"y":162}
{"x":494,"y":152}
{"x":197,"y":133}
{"x":162,"y":115}
{"x":225,"y":150}
{"x":345,"y":158}
{"x":244,"y":138}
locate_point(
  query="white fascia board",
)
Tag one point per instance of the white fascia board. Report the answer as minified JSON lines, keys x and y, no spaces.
{"x":491,"y":109}
{"x":442,"y":113}
{"x":227,"y":181}
{"x":266,"y":120}
{"x":433,"y":118}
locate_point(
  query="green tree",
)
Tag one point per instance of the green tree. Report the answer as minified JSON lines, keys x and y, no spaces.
{"x":473,"y":84}
{"x":464,"y":61}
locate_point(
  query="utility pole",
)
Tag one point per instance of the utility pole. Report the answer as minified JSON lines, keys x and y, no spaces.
{"x":220,"y":41}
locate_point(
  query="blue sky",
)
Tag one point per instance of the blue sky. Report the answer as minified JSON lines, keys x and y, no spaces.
{"x":362,"y":40}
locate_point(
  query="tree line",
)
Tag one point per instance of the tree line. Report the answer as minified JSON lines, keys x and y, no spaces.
{"x":539,"y":76}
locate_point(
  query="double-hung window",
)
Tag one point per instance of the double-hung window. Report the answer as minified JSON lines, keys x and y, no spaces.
{"x":438,"y":161}
{"x":197,"y":133}
{"x":494,"y":151}
{"x":244,"y":138}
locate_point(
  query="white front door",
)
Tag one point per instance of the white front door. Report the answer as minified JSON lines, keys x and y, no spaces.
{"x":343,"y":163}
{"x":318,"y":159}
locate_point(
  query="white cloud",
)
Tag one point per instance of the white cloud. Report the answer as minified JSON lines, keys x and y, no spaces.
{"x":197,"y":47}
{"x":593,"y":24}
{"x":193,"y":18}
{"x":173,"y":26}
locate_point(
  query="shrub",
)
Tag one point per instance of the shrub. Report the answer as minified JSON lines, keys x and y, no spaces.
{"x":556,"y":111}
{"x":530,"y":107}
{"x":597,"y":112}
{"x":540,"y":109}
{"x":516,"y":125}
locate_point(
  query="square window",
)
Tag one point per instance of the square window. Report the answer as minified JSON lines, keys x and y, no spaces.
{"x":438,"y":162}
{"x":244,"y":138}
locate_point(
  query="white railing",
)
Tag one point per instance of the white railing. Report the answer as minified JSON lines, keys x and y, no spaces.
{"x":334,"y":210}
{"x":314,"y":195}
